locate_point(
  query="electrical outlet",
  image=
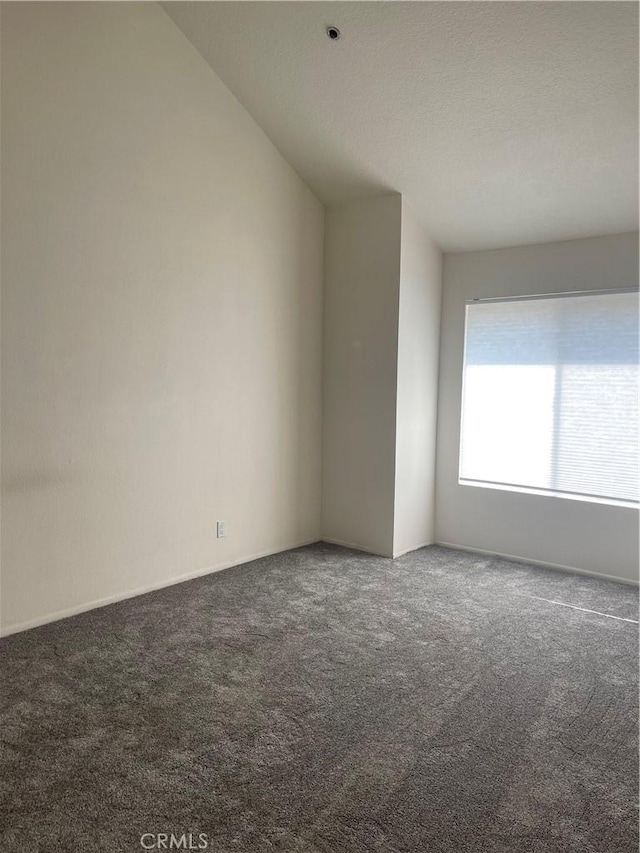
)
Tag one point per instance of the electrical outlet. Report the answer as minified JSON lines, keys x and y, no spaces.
{"x":221,"y":529}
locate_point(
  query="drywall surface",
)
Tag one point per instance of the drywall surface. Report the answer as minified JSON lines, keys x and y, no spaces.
{"x":577,"y":534}
{"x":161,"y":316}
{"x":417,"y":389}
{"x":362,"y":276}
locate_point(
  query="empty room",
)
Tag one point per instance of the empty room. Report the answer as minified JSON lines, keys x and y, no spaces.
{"x":319,"y":427}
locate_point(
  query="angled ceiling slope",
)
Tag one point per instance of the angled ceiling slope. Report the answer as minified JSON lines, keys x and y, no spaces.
{"x":502,"y":123}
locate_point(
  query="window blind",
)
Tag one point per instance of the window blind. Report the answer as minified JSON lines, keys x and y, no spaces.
{"x":550,"y":394}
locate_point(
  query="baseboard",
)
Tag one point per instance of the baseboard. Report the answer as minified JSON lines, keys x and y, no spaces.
{"x":413,"y":548}
{"x":113,"y":599}
{"x":355,"y":547}
{"x":572,"y":569}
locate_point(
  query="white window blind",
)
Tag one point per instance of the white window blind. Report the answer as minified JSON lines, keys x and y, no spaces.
{"x":550,"y":394}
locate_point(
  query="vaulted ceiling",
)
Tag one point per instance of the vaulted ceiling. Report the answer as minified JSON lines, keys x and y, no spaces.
{"x":501,"y":123}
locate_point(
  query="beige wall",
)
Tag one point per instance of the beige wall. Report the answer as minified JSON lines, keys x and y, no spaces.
{"x":417,"y":391}
{"x":577,"y":534}
{"x":381,"y":336}
{"x":362,"y":269}
{"x":161,"y":316}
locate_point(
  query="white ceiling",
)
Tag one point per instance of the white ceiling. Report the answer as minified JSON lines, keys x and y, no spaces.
{"x":502,"y":123}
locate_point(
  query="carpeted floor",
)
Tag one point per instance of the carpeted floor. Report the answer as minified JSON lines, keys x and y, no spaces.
{"x":325,"y":700}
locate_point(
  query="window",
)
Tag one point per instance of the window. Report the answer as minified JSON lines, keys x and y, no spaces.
{"x":550,"y":394}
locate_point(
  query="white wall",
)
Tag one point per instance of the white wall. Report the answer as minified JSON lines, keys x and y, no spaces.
{"x":578,"y":534}
{"x":161,"y":316}
{"x":362,"y":273}
{"x":381,"y":331}
{"x":417,"y":384}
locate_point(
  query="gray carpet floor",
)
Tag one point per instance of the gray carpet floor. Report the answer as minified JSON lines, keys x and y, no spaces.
{"x":325,"y":700}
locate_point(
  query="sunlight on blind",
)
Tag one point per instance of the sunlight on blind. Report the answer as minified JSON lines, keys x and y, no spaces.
{"x":550,"y":394}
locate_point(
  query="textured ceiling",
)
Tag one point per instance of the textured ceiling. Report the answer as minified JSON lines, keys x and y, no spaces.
{"x":502,"y":123}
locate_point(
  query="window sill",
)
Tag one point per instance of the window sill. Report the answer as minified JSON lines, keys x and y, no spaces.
{"x":506,"y":487}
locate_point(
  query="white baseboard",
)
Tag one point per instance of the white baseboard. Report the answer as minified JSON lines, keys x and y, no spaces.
{"x":122,"y":596}
{"x":112,"y":599}
{"x":572,"y":569}
{"x":413,"y":548}
{"x":355,"y":547}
